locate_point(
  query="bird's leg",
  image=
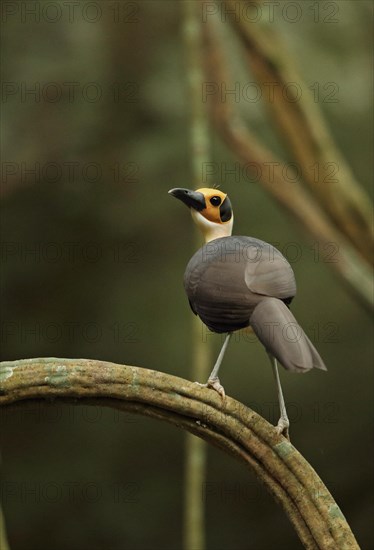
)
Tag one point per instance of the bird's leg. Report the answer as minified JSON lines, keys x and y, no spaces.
{"x":213,"y":380}
{"x":283,"y":422}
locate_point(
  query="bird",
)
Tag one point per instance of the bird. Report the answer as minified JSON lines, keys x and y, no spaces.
{"x":234,"y":282}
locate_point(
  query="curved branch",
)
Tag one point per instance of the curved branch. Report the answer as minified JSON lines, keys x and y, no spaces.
{"x":229,"y":425}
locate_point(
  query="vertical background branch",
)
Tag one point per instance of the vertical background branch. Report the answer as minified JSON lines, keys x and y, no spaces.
{"x":3,"y":534}
{"x":196,"y":451}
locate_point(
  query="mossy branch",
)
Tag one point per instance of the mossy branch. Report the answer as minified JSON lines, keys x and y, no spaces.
{"x":228,"y":425}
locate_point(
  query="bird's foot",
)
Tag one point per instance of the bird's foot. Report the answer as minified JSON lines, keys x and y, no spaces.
{"x":283,"y":427}
{"x":214,"y":384}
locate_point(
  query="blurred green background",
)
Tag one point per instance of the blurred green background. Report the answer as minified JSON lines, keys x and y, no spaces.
{"x":95,"y":113}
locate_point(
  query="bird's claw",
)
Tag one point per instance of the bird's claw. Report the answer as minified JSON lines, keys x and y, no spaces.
{"x":214,"y":384}
{"x":282,"y":427}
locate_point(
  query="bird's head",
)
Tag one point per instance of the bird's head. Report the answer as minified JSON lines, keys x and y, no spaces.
{"x":210,"y":208}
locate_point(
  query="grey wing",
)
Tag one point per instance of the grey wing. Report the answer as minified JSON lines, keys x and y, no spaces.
{"x":267,"y":271}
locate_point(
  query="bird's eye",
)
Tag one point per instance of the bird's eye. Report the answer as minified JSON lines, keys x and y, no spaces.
{"x":215,"y":201}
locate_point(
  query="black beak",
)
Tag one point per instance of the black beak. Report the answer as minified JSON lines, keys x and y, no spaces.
{"x":193,"y":199}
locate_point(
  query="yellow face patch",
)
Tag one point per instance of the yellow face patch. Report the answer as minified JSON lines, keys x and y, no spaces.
{"x":213,"y":200}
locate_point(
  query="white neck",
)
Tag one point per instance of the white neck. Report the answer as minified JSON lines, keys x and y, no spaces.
{"x":212,"y":230}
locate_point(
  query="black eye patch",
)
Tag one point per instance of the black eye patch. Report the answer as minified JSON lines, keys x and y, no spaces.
{"x":225,"y":210}
{"x":215,"y":201}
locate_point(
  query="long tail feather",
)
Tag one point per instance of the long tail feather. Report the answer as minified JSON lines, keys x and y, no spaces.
{"x":282,"y":336}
